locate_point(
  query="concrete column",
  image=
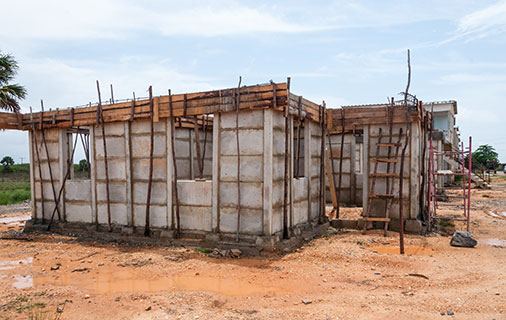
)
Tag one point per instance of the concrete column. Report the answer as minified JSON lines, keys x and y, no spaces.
{"x":128,"y":169}
{"x":414,"y":172}
{"x":33,"y":197}
{"x":307,"y":165}
{"x":93,"y":175}
{"x":365,"y":168}
{"x":268,"y":152}
{"x":215,"y":224}
{"x":170,"y":173}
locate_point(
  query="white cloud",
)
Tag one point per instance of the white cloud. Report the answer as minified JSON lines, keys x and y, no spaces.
{"x":484,"y":22}
{"x":60,"y":19}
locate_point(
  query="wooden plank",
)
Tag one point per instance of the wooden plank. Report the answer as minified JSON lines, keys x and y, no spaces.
{"x":381,"y":196}
{"x":386,"y":160}
{"x":156,"y":110}
{"x":330,"y":177}
{"x":379,"y":219}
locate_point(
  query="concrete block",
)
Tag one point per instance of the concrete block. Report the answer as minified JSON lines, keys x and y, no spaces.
{"x":118,"y":213}
{"x":144,"y":127}
{"x":78,"y":190}
{"x":195,"y":218}
{"x":300,"y":212}
{"x":158,"y":193}
{"x":251,"y":168}
{"x":167,"y":234}
{"x":251,"y":194}
{"x":140,"y":169}
{"x":278,"y":143}
{"x":52,"y":148}
{"x":116,"y":169}
{"x":78,"y":213}
{"x":115,"y":147}
{"x":346,"y":165}
{"x":197,"y":193}
{"x":299,"y":188}
{"x":183,"y":169}
{"x":141,"y":146}
{"x":267,"y":242}
{"x":278,"y":120}
{"x":247,"y":119}
{"x":212,"y":237}
{"x":117,"y":191}
{"x":111,"y":128}
{"x":413,"y":226}
{"x":250,"y":142}
{"x":157,"y":216}
{"x":251,"y":220}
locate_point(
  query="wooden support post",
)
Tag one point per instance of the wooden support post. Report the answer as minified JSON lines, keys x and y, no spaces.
{"x":176,"y":195}
{"x":197,"y":147}
{"x":322,"y":167}
{"x":151,"y":149}
{"x":340,"y":166}
{"x":285,"y":181}
{"x":331,"y":173}
{"x":132,"y":109}
{"x":297,"y":152}
{"x":237,"y":100}
{"x":403,"y":155}
{"x":106,"y":165}
{"x":112,"y":95}
{"x":48,"y":160}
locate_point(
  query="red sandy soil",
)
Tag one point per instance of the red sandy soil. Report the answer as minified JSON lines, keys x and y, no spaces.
{"x":343,"y":276}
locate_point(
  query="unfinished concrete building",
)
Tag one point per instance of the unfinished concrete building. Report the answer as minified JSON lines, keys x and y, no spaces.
{"x":248,"y":164}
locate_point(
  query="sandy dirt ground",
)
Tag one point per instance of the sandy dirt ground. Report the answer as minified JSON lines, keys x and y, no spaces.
{"x":342,"y":276}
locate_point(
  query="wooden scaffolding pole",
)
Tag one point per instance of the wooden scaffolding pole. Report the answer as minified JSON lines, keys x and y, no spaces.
{"x":36,"y":145}
{"x":174,"y":162}
{"x":151,"y":149}
{"x":100,"y":118}
{"x":237,"y":100}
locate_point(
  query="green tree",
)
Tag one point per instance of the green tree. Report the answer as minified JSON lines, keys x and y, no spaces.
{"x":485,"y":157}
{"x":9,"y":93}
{"x":83,"y":165}
{"x":7,"y":162}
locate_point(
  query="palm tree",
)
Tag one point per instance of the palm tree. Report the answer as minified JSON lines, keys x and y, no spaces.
{"x":9,"y":93}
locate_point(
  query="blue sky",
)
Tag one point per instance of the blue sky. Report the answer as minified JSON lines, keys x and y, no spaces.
{"x":339,"y":51}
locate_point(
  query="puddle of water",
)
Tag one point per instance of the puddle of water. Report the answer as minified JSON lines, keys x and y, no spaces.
{"x":11,"y":264}
{"x":15,"y":221}
{"x":22,"y":282}
{"x":396,"y":250}
{"x":494,"y":242}
{"x":117,"y":282}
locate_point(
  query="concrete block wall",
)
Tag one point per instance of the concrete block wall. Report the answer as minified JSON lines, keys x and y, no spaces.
{"x":53,"y":146}
{"x":313,"y":152}
{"x":351,"y":183}
{"x":205,"y":206}
{"x":251,"y":145}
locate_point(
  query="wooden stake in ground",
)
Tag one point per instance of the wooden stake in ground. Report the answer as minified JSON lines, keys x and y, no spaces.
{"x":403,"y":155}
{"x":48,"y":160}
{"x":285,"y":180}
{"x":151,"y":149}
{"x":100,"y":116}
{"x":237,"y":100}
{"x":174,"y":162}
{"x":322,"y":167}
{"x":340,"y":165}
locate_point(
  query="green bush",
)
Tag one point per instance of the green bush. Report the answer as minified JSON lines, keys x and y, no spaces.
{"x":14,"y":196}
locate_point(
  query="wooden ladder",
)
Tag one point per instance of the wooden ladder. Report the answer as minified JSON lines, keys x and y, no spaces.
{"x":388,"y":176}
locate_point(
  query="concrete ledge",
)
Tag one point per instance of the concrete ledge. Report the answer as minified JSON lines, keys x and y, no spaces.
{"x":249,"y":244}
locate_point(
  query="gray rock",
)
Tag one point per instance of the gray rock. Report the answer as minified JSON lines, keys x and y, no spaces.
{"x":235,"y":253}
{"x":307,"y":301}
{"x":463,"y":239}
{"x":450,"y":313}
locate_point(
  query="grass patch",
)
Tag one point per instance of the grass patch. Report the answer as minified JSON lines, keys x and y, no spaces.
{"x":206,"y":251}
{"x":14,"y":196}
{"x":446,"y":224}
{"x":15,"y":185}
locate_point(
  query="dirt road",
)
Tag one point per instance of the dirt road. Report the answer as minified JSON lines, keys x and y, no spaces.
{"x":342,"y":276}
